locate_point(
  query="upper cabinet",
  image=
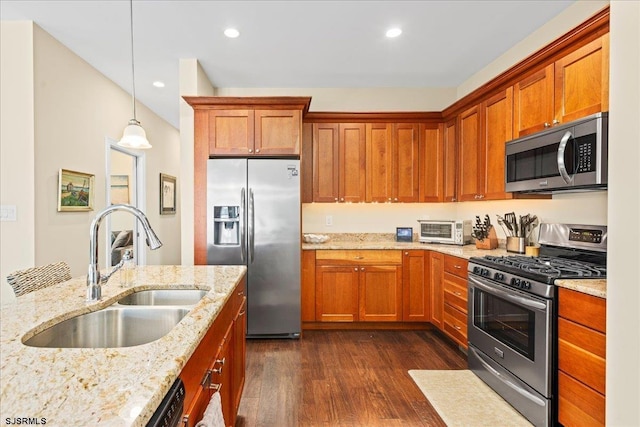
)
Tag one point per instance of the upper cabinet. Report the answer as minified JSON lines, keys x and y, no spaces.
{"x":484,"y":132}
{"x":574,"y":86}
{"x":431,"y":163}
{"x":249,"y":127}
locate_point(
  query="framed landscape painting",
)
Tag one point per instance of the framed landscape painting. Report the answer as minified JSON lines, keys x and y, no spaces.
{"x":75,"y":191}
{"x":167,"y":194}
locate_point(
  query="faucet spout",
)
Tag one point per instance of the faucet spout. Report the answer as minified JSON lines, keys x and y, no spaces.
{"x":94,"y":280}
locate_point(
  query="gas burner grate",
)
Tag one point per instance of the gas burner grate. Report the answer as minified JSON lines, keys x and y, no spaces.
{"x":549,"y":266}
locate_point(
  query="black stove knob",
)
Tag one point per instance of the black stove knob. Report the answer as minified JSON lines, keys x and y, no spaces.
{"x":498,"y":276}
{"x":515,"y":282}
{"x":485,"y":272}
{"x":525,"y":284}
{"x":476,"y":270}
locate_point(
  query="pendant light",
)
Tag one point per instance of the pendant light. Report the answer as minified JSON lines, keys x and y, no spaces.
{"x":134,"y":135}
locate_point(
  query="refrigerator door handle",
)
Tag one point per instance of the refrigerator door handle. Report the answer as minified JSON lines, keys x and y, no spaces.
{"x":243,"y":234}
{"x":252,"y":224}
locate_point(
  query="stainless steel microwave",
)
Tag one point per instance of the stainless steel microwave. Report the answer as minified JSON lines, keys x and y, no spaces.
{"x":571,"y":156}
{"x":444,"y":231}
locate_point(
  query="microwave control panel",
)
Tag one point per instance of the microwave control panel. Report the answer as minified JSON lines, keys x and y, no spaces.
{"x":586,"y":156}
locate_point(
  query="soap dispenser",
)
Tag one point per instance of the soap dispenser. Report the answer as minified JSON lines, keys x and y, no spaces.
{"x":127,"y":269}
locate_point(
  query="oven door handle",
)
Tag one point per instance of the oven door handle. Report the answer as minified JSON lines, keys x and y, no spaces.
{"x":506,"y":380}
{"x":527,"y":302}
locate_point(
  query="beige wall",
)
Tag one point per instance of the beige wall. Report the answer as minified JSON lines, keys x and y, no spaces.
{"x":17,"y":188}
{"x":623,"y":280}
{"x":193,"y":82}
{"x":74,"y":109}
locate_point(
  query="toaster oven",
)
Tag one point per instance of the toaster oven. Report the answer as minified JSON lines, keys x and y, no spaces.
{"x":444,"y":231}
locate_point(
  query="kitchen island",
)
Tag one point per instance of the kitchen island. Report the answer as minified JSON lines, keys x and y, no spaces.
{"x":101,"y":386}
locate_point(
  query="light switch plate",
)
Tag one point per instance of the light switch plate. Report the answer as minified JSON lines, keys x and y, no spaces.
{"x":328,"y":220}
{"x":7,"y":212}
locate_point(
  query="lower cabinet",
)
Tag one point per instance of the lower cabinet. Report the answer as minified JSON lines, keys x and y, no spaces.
{"x":581,"y":359}
{"x":354,"y":285}
{"x":415,"y":289}
{"x":218,"y":363}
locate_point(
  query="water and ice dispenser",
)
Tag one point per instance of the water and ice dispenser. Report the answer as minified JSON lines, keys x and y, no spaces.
{"x":226,"y":231}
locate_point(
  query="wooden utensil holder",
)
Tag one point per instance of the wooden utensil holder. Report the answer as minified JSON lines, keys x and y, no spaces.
{"x":490,"y":242}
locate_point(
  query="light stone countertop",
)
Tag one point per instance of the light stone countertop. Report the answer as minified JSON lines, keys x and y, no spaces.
{"x":102,"y":386}
{"x":363,"y":241}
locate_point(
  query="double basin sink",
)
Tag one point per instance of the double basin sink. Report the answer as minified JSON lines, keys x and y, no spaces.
{"x":138,"y":318}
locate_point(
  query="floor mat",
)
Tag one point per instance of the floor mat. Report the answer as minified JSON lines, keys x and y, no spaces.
{"x":464,"y":400}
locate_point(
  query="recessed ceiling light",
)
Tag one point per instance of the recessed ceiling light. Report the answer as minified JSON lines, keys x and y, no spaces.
{"x":394,"y":32}
{"x":232,"y":33}
{"x":158,"y":83}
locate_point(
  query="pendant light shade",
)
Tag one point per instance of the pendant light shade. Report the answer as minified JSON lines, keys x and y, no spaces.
{"x":134,"y":135}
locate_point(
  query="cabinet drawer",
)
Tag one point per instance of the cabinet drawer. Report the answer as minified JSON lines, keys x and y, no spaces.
{"x":581,"y":354}
{"x":584,"y":309}
{"x":578,"y":405}
{"x":455,"y":324}
{"x":455,"y":292}
{"x":358,"y":257}
{"x":455,"y":265}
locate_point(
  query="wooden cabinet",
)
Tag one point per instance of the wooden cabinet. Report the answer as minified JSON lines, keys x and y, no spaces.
{"x":436,"y":276}
{"x":431,"y":163}
{"x":484,"y":131}
{"x":218,"y":363}
{"x":308,"y":286}
{"x":338,"y":162}
{"x":415,"y":289}
{"x":392,"y":166}
{"x":450,"y":159}
{"x":581,"y":359}
{"x":455,"y":299}
{"x":572,"y":87}
{"x":358,"y":285}
{"x":448,"y":285}
{"x":277,"y":132}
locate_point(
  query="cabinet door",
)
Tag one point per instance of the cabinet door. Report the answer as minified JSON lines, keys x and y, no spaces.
{"x":239,"y":353}
{"x":497,"y":130}
{"x":406,"y":142}
{"x":277,"y":132}
{"x":533,"y":103}
{"x":431,"y":163}
{"x":352,"y":161}
{"x":308,"y":286}
{"x":336,"y":293}
{"x":221,"y":376}
{"x":582,"y":81}
{"x":325,"y":162}
{"x":380,"y":293}
{"x":471,"y":162}
{"x":231,"y":132}
{"x":450,"y":164}
{"x":415,"y":289}
{"x":436,"y":273}
{"x":379,"y":172}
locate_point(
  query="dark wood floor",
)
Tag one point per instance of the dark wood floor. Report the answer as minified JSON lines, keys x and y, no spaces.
{"x":343,"y":378}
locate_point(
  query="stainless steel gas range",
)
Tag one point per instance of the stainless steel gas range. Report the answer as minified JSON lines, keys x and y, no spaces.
{"x":512,"y":323}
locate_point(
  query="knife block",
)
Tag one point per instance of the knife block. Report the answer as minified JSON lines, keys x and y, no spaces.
{"x":490,"y":242}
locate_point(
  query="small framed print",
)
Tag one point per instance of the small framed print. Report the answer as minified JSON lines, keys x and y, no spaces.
{"x":167,"y":194}
{"x":75,"y":191}
{"x":404,"y":234}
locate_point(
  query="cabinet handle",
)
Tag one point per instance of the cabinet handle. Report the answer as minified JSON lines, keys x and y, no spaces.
{"x":395,"y":199}
{"x":547,"y":124}
{"x":335,"y":199}
{"x":206,"y":380}
{"x":240,"y":293}
{"x":215,"y":387}
{"x":251,"y":150}
{"x":389,"y":199}
{"x":358,"y":257}
{"x":221,"y":361}
{"x":242,"y":313}
{"x":453,"y":199}
{"x":257,"y":150}
{"x":361,"y":268}
{"x":406,"y":253}
{"x":555,"y":122}
{"x":456,"y":293}
{"x":457,"y":327}
{"x":342,"y":199}
{"x":355,"y":269}
{"x":457,"y":266}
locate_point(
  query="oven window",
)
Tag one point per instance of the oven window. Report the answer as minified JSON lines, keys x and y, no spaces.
{"x":441,"y":231}
{"x":511,"y":324}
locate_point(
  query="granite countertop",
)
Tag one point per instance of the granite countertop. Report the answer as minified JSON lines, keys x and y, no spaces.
{"x":595,"y":287}
{"x":102,"y":386}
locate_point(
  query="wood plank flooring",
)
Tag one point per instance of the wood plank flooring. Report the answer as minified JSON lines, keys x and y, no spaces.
{"x":343,"y":378}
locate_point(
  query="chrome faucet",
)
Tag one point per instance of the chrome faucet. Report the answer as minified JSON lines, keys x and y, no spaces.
{"x":94,"y":280}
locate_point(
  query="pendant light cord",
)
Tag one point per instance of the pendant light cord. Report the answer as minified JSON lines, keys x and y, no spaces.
{"x":133,"y":70}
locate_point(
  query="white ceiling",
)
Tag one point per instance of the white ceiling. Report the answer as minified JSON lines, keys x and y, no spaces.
{"x":286,"y":44}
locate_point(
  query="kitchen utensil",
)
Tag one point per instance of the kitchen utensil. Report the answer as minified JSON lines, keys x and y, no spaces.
{"x":510,"y":222}
{"x":502,"y":225}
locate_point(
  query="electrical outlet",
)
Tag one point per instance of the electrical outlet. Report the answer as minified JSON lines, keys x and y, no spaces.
{"x":328,"y":220}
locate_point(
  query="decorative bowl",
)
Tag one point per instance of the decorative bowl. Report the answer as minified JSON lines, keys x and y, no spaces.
{"x":315,"y":238}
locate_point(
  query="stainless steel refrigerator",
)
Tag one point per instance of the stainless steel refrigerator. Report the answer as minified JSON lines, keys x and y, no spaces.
{"x":253,"y":218}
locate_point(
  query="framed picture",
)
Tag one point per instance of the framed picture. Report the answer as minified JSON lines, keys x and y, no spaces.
{"x":75,"y":191}
{"x":119,"y":189}
{"x":167,"y":194}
